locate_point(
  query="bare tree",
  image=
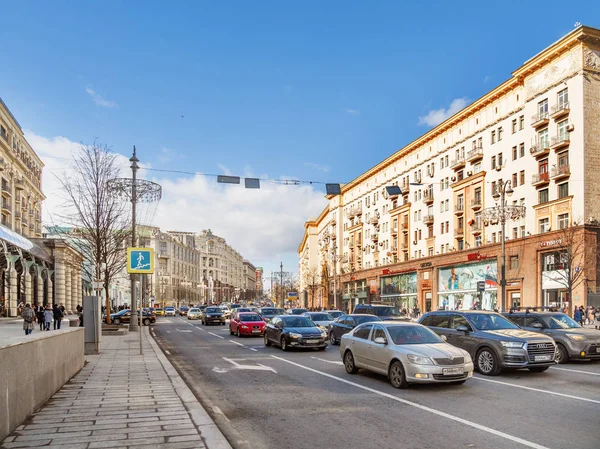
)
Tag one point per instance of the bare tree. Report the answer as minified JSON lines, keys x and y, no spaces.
{"x":312,"y":281}
{"x":101,"y":219}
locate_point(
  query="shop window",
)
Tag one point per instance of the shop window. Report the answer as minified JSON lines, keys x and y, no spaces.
{"x":514,"y":262}
{"x":563,"y":221}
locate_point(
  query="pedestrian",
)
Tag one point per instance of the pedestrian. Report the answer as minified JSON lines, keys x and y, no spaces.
{"x":58,"y":316}
{"x":28,"y":315}
{"x":39,"y":311}
{"x":577,"y":315}
{"x":48,"y":316}
{"x":590,"y":315}
{"x":582,"y":321}
{"x":597,"y":318}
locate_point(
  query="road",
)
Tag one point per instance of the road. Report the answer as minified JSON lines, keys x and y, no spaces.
{"x":265,"y":398}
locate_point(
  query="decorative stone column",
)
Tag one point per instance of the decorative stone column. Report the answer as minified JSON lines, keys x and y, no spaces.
{"x":40,"y":286}
{"x":14,"y":289}
{"x":79,"y":287}
{"x":75,"y":299}
{"x":10,"y":284}
{"x":28,"y":290}
{"x":59,"y":279}
{"x":67,"y":304}
{"x":49,"y":299}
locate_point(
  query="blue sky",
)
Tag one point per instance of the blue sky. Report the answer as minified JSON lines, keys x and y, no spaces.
{"x":314,"y":90}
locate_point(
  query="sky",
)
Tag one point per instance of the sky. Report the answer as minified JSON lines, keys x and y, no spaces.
{"x":316,"y":91}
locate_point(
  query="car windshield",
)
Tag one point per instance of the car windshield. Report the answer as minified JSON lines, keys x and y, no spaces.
{"x":170,"y":308}
{"x":270,"y":312}
{"x":387,"y":311}
{"x":320,"y":317}
{"x":194,"y":310}
{"x":560,"y":321}
{"x":365,"y":319}
{"x":487,"y":322}
{"x":413,"y":335}
{"x":297,"y":321}
{"x":213,"y":310}
{"x":250,"y":317}
{"x":298,"y":311}
{"x":243,"y":309}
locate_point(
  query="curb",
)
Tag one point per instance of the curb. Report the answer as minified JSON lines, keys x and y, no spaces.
{"x":210,"y":433}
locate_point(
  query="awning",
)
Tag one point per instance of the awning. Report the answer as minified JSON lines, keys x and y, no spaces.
{"x":15,"y":239}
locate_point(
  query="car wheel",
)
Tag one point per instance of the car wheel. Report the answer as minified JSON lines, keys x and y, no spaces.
{"x":267,"y":341}
{"x":396,"y":375}
{"x":117,"y":321}
{"x":332,"y":339}
{"x":238,"y":334}
{"x":349,"y":363}
{"x":562,"y":355}
{"x":146,"y":322}
{"x":230,"y":331}
{"x":538,"y":369}
{"x":283,"y":344}
{"x":487,"y":362}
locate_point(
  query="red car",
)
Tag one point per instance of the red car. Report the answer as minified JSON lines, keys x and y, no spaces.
{"x":246,"y":323}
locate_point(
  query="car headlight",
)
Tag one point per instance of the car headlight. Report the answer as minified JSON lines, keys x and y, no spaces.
{"x":419,"y":359}
{"x":324,"y":334}
{"x":576,"y":337}
{"x":295,"y":335}
{"x":468,"y":358}
{"x":511,"y":344}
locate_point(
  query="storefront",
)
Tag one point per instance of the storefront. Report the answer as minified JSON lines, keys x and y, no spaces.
{"x":355,"y":292}
{"x":457,"y":286}
{"x":555,"y":279}
{"x":400,"y":290}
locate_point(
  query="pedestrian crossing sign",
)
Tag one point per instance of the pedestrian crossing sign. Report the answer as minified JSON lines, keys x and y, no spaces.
{"x":140,"y":260}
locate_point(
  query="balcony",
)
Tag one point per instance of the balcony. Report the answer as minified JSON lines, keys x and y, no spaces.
{"x":540,"y":119}
{"x":358,"y":211}
{"x":458,"y":163}
{"x":374,"y":220}
{"x":540,"y":179}
{"x":6,"y":190}
{"x":476,"y":228}
{"x":19,"y":184}
{"x":459,"y":209}
{"x":375,"y":237}
{"x":560,"y":110}
{"x":404,"y":226}
{"x":428,"y":219}
{"x":560,"y":141}
{"x":333,"y":221}
{"x":394,"y":231}
{"x":475,"y":154}
{"x":18,"y":214}
{"x":351,"y":244}
{"x":540,"y":149}
{"x":162,"y":255}
{"x":24,"y":220}
{"x":404,"y":245}
{"x":428,"y":196}
{"x":459,"y":232}
{"x":560,"y":172}
{"x":6,"y":207}
{"x":476,"y":203}
{"x":394,"y":250}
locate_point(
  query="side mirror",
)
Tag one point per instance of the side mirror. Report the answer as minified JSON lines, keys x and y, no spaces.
{"x":537,"y":326}
{"x":444,"y":338}
{"x":380,"y":341}
{"x":462,"y":328}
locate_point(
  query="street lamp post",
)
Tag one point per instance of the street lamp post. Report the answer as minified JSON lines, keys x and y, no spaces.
{"x":501,"y":213}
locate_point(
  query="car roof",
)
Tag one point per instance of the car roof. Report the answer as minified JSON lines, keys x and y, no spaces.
{"x":372,"y":305}
{"x":480,"y":312}
{"x":247,"y":313}
{"x":532,"y":312}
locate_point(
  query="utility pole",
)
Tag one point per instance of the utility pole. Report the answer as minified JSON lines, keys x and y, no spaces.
{"x":281,"y":285}
{"x":134,"y":168}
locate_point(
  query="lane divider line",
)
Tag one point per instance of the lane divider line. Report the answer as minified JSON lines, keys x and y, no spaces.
{"x":253,"y":349}
{"x":554,"y":393}
{"x":212,"y":333}
{"x":237,"y":343}
{"x":334,"y":362}
{"x":422,"y":407}
{"x":575,"y":371}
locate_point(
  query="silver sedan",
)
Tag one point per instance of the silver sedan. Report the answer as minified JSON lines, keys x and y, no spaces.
{"x":405,"y":352}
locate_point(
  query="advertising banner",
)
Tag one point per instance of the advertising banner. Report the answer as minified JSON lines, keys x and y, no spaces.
{"x":465,"y":277}
{"x":399,"y":284}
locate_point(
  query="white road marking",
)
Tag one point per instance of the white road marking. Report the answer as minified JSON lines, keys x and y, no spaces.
{"x":554,"y":393}
{"x":167,"y":351}
{"x":237,"y":343}
{"x":212,"y":333}
{"x":334,"y":362}
{"x":575,"y":371}
{"x":183,"y":330}
{"x":253,"y":349}
{"x":236,"y":365}
{"x":422,"y":407}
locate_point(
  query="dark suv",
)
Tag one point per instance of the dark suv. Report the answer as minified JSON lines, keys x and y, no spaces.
{"x":493,"y":341}
{"x":572,"y":340}
{"x":384,"y":312}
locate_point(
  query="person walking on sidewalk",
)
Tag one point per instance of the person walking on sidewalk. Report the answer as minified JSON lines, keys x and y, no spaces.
{"x":58,"y":316}
{"x":28,"y":318}
{"x":39,"y":311}
{"x":48,"y":315}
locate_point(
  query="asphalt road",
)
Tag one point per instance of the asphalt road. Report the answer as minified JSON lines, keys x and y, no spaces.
{"x":265,"y":398}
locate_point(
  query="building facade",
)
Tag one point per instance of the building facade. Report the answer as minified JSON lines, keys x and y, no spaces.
{"x":435,"y":241}
{"x":249,"y":291}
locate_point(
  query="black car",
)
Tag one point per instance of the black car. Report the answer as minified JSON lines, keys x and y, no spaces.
{"x":297,"y":311}
{"x":345,"y":323}
{"x":386,"y":313}
{"x":268,"y":313}
{"x":493,"y":341}
{"x":213,"y":314}
{"x":572,"y":340}
{"x":291,"y":331}
{"x":124,"y":316}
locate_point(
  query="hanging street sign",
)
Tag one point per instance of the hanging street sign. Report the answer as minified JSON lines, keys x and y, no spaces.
{"x":140,"y":260}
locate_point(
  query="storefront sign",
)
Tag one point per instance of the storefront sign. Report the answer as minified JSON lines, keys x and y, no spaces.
{"x":426,"y":284}
{"x":547,"y":243}
{"x":476,"y":256}
{"x":401,"y":284}
{"x":465,"y":277}
{"x":426,"y":265}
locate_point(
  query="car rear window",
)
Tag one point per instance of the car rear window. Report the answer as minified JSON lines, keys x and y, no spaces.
{"x":320,"y":317}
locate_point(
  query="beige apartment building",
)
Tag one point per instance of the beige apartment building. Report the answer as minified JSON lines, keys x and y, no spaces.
{"x":437,"y":241}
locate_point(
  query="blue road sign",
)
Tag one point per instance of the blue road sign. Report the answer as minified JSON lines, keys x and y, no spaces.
{"x":140,"y":260}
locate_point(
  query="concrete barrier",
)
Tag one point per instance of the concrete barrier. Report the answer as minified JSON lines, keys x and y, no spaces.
{"x":32,"y":370}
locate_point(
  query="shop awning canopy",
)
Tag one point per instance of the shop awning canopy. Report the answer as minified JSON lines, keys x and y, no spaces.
{"x":17,"y":240}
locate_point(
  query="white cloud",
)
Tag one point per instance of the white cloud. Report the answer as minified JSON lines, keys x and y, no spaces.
{"x":437,"y":116}
{"x":319,"y":167}
{"x":99,"y":100}
{"x":261,"y":224}
{"x":352,"y":111}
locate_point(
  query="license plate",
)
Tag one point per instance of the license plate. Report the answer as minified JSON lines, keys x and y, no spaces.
{"x":542,"y":358}
{"x":598,"y":349}
{"x":312,"y":342}
{"x":257,"y":331}
{"x":451,"y":371}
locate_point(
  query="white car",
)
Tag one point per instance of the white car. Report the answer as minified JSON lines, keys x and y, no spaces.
{"x":321,"y":319}
{"x":169,"y":311}
{"x":194,"y":314}
{"x":226,"y":312}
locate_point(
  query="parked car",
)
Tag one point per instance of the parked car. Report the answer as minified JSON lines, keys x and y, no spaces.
{"x":194,"y":314}
{"x":296,"y":311}
{"x":405,"y":353}
{"x":335,"y":313}
{"x":492,"y":341}
{"x":247,"y":323}
{"x":159,"y":312}
{"x":382,"y":311}
{"x":183,"y":310}
{"x":345,"y":323}
{"x":124,"y":316}
{"x":572,"y":340}
{"x":268,"y":313}
{"x":292,"y":331}
{"x":321,"y":319}
{"x":213,"y":314}
{"x":170,"y":311}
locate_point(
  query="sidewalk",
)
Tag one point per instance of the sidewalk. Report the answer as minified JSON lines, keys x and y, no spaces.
{"x":121,"y":400}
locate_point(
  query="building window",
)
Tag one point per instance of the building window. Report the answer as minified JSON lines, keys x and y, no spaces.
{"x":477,"y":167}
{"x":447,"y":227}
{"x":522,"y":231}
{"x":500,"y":133}
{"x":543,"y":109}
{"x":563,"y":190}
{"x":461,"y":244}
{"x":493,"y":137}
{"x":522,"y":150}
{"x":477,"y":240}
{"x":3,"y":132}
{"x":493,"y":237}
{"x":514,"y":262}
{"x":563,"y":134}
{"x":521,"y":122}
{"x":500,"y":160}
{"x":544,"y":225}
{"x":563,"y":221}
{"x":543,"y":196}
{"x":430,"y":251}
{"x":563,"y":159}
{"x":514,"y":153}
{"x":563,"y":99}
{"x":514,"y":126}
{"x":514,"y":180}
{"x":493,"y":162}
{"x":522,"y":177}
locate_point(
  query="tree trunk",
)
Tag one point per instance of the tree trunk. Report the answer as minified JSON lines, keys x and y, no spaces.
{"x":107,"y":304}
